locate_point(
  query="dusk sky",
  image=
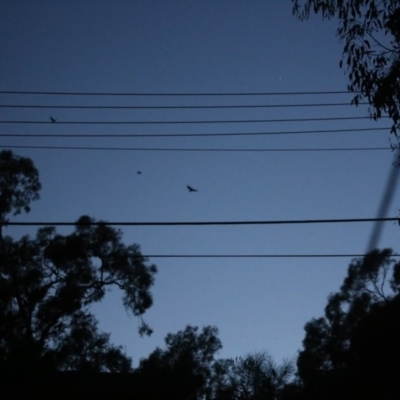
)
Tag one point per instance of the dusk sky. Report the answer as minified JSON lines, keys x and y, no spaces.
{"x":199,"y":47}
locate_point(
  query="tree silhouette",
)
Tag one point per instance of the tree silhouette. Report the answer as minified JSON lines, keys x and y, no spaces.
{"x":19,"y":184}
{"x":183,"y":370}
{"x":47,"y":284}
{"x":353,"y":351}
{"x":370,"y":31}
{"x":255,"y":376}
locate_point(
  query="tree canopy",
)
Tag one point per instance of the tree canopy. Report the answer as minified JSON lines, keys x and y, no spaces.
{"x":370,"y":31}
{"x":19,"y":184}
{"x":48,"y":282}
{"x":255,"y":376}
{"x":353,"y":351}
{"x":183,"y":369}
{"x":187,"y":369}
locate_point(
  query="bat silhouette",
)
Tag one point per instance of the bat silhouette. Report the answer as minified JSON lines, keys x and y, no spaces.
{"x":53,"y":119}
{"x":191,"y":189}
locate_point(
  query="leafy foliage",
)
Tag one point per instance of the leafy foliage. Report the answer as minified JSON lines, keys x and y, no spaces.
{"x":19,"y":184}
{"x":186,"y":372}
{"x":353,"y":350}
{"x":253,"y":377}
{"x":370,"y":31}
{"x":47,"y":284}
{"x":183,"y":370}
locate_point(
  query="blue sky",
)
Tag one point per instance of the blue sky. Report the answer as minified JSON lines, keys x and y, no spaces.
{"x":199,"y":47}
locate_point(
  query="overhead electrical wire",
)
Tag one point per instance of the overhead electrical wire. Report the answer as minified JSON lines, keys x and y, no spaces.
{"x":83,"y":107}
{"x":187,"y":122}
{"x":254,"y":255}
{"x":130,"y":135}
{"x":206,"y":223}
{"x":201,"y":223}
{"x":281,"y":150}
{"x":61,"y":93}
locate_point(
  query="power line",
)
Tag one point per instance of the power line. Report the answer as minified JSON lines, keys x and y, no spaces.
{"x":196,"y":149}
{"x":208,"y":223}
{"x":112,"y":135}
{"x":187,"y":122}
{"x":67,"y":107}
{"x":255,"y":255}
{"x":174,"y":94}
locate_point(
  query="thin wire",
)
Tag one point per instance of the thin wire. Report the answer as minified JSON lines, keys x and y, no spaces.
{"x":187,"y":122}
{"x":195,"y":149}
{"x":173,"y":94}
{"x":208,"y":223}
{"x":254,"y":255}
{"x":176,"y":107}
{"x":95,"y":135}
